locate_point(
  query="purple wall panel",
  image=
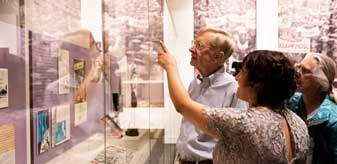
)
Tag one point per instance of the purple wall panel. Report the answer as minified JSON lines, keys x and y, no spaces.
{"x":44,"y":92}
{"x":15,"y":113}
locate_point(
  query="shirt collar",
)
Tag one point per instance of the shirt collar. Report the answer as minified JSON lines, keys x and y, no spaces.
{"x":320,"y":114}
{"x":211,"y":78}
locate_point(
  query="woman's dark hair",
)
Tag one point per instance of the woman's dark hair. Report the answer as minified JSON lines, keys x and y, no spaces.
{"x":272,"y":74}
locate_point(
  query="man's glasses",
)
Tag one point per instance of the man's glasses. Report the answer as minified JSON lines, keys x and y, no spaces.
{"x":199,"y":46}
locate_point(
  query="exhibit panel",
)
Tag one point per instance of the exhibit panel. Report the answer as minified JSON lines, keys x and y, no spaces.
{"x":77,"y":84}
{"x":68,"y":89}
{"x":13,"y":111}
{"x":66,"y":104}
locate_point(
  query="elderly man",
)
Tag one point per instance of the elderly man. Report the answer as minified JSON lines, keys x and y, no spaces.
{"x":213,"y":87}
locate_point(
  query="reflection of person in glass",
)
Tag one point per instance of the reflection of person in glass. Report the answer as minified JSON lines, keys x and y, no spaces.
{"x":265,"y":133}
{"x":88,"y":87}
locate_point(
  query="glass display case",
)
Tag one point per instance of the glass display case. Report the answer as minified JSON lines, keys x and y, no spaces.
{"x":63,"y":85}
{"x":14,"y":118}
{"x":132,"y":31}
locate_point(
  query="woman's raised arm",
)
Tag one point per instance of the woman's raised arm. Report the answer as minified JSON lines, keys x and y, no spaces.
{"x":191,"y":110}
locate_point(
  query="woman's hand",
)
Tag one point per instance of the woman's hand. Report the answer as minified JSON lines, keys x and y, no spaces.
{"x":165,"y":59}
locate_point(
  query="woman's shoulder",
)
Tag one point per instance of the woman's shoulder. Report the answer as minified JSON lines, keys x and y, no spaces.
{"x":293,"y":118}
{"x":226,"y":120}
{"x":225,"y":112}
{"x":300,"y":132}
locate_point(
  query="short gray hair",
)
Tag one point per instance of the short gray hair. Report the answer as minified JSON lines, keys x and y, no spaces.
{"x":221,"y":41}
{"x":325,"y":71}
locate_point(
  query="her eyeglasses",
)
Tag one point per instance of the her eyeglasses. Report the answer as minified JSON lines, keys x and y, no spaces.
{"x":199,"y":46}
{"x":302,"y":70}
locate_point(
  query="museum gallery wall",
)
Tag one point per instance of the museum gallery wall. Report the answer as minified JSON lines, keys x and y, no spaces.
{"x":238,"y":18}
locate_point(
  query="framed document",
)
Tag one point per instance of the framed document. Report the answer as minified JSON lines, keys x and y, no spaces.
{"x":79,"y":73}
{"x":63,"y":71}
{"x":7,"y":144}
{"x":43,"y":133}
{"x":81,"y":112}
{"x":60,"y":124}
{"x":3,"y":88}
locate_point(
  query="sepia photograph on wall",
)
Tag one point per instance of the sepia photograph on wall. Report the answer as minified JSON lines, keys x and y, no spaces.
{"x":238,"y":18}
{"x":307,"y":26}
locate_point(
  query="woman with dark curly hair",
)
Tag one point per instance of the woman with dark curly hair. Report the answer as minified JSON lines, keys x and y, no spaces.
{"x":264,"y":133}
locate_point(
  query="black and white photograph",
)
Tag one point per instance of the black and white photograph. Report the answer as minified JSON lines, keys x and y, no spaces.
{"x":238,"y":18}
{"x":3,"y":88}
{"x":63,"y":71}
{"x":307,"y":26}
{"x":79,"y":75}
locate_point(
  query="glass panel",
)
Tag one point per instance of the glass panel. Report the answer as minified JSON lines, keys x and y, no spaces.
{"x":131,"y":38}
{"x":67,"y":97}
{"x":132,"y":31}
{"x":78,"y":100}
{"x":13,"y":95}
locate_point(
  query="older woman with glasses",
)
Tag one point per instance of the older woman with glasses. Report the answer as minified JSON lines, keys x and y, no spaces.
{"x":316,"y":106}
